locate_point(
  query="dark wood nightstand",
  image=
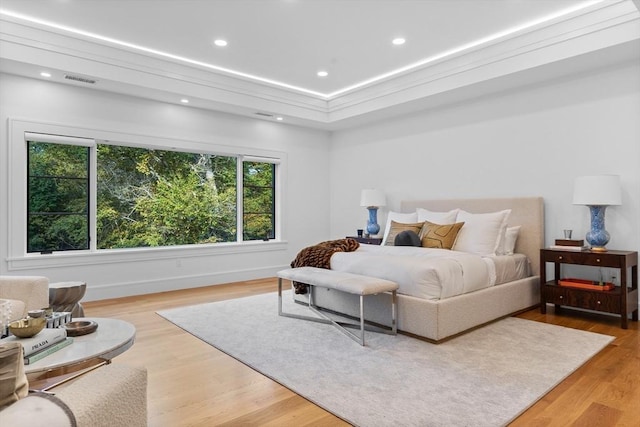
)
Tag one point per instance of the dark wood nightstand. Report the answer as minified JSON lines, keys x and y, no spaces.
{"x":367,"y":240}
{"x":622,"y":300}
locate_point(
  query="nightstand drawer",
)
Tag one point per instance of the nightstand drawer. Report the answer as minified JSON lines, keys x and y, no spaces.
{"x":591,"y":300}
{"x":599,"y":301}
{"x":586,"y":258}
{"x":556,"y":295}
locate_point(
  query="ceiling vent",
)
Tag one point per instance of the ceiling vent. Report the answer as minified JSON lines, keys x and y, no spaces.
{"x":264,"y":114}
{"x":80,"y":79}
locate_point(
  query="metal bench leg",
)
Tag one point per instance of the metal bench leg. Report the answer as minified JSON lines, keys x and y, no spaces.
{"x":296,"y":316}
{"x":394,"y":320}
{"x":361,"y":319}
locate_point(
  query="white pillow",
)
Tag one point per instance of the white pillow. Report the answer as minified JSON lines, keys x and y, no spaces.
{"x":404,"y":218}
{"x":481,"y":233}
{"x":508,"y":244}
{"x":440,"y":218}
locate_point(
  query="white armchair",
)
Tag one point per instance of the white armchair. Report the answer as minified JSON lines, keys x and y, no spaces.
{"x":24,"y":293}
{"x":113,"y":395}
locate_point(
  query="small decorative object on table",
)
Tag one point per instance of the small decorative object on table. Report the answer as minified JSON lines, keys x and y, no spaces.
{"x":80,"y":327}
{"x":27,"y":328}
{"x":57,"y":319}
{"x":35,"y":313}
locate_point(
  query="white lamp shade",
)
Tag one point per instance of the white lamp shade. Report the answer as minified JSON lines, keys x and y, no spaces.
{"x":598,"y":190}
{"x":372,"y":198}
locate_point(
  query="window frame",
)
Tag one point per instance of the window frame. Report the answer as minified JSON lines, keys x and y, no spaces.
{"x":38,"y":138}
{"x":19,"y":259}
{"x":240,"y":177}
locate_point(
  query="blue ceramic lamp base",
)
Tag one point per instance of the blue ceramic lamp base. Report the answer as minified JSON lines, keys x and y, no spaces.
{"x":372,"y":224}
{"x":597,"y":237}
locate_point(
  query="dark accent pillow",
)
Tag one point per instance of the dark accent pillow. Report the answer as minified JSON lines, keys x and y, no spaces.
{"x":399,"y":227}
{"x":407,"y":238}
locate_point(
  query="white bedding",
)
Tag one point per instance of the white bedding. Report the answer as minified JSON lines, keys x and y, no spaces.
{"x":430,"y":273}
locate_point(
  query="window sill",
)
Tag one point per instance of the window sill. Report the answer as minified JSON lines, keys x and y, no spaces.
{"x":114,"y":256}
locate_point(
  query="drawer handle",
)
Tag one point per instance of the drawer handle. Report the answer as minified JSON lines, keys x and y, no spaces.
{"x":597,"y":259}
{"x":560,"y":257}
{"x":561,"y":297}
{"x":598,"y":303}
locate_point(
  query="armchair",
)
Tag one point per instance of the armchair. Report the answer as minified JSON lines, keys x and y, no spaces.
{"x":24,"y":293}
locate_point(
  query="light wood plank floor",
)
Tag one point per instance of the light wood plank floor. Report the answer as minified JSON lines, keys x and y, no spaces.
{"x":193,"y":384}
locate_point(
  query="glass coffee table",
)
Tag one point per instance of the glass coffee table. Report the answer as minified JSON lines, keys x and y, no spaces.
{"x":88,"y":352}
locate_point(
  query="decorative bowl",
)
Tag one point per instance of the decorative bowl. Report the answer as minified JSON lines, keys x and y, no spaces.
{"x":80,"y":327}
{"x":26,"y":328}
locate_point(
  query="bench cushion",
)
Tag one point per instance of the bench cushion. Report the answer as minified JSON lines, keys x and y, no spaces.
{"x":339,"y":280}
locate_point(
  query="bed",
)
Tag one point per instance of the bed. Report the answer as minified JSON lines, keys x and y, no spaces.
{"x":422,"y":312}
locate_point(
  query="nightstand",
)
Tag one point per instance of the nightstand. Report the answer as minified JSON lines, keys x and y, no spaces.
{"x":366,"y":240}
{"x":622,"y":300}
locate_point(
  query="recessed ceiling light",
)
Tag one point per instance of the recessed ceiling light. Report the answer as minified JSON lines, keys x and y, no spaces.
{"x":322,"y":73}
{"x":279,"y":118}
{"x":184,"y":100}
{"x":398,"y":41}
{"x":45,"y":74}
{"x":220,"y":42}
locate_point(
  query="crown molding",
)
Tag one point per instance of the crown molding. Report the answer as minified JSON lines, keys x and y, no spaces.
{"x":26,"y":47}
{"x":592,"y":30}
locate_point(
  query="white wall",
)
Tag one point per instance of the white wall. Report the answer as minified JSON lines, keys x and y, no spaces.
{"x":532,"y":141}
{"x":305,"y":215}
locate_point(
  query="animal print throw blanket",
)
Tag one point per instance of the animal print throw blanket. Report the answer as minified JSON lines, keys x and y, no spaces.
{"x":320,"y":256}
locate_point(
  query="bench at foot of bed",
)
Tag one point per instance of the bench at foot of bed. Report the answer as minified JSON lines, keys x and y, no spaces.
{"x":344,"y":282}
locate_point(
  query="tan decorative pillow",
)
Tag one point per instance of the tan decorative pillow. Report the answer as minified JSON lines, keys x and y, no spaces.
{"x":13,"y":381}
{"x":398,"y":227}
{"x":440,"y":236}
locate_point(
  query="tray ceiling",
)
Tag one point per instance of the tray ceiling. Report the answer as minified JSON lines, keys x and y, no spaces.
{"x":165,"y":49}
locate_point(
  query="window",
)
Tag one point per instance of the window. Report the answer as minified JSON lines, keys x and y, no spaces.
{"x":144,"y":197}
{"x":58,"y":197}
{"x":258,"y":200}
{"x":164,"y":198}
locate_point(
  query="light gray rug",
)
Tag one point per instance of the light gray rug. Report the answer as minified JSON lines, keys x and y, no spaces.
{"x":486,"y":377}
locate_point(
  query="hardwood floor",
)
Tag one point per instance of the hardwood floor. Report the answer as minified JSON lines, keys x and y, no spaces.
{"x":193,"y":384}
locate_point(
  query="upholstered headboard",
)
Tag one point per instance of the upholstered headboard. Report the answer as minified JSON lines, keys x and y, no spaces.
{"x":527,"y":212}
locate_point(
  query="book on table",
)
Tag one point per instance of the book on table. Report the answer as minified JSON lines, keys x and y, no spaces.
{"x":569,"y":248}
{"x":569,"y":242}
{"x":34,"y":357}
{"x":40,"y":341}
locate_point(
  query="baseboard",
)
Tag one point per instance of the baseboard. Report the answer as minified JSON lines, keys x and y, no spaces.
{"x":124,"y":289}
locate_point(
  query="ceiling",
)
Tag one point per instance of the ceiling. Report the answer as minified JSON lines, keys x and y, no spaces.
{"x":276,"y":47}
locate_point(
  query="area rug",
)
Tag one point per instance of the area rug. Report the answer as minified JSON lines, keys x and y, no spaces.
{"x":486,"y":377}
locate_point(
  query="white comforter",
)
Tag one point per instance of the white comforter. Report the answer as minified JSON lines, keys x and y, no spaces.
{"x":420,"y":272}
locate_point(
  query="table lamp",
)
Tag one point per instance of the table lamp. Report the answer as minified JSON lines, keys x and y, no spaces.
{"x":597,"y":192}
{"x":372,"y":199}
